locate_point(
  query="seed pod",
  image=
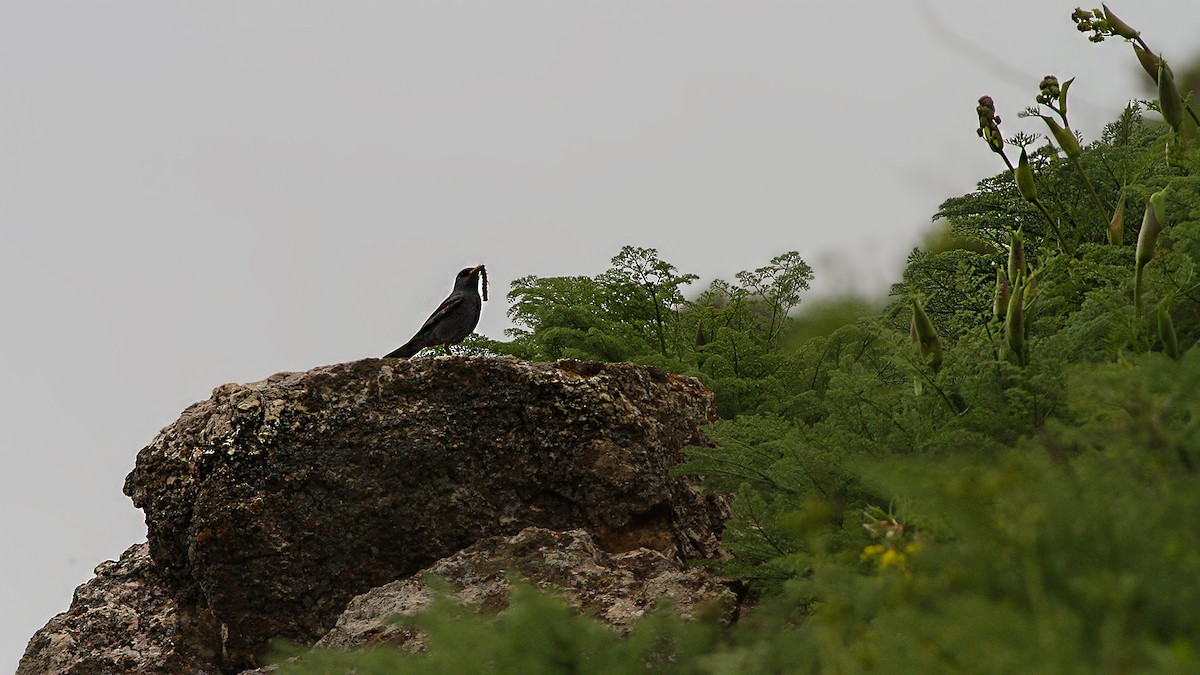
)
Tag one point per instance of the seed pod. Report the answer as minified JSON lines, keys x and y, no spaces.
{"x":1116,"y":228}
{"x":1014,"y":324}
{"x":1064,"y":137}
{"x":1016,"y":257}
{"x":1000,"y":302}
{"x":1147,"y":239}
{"x":1166,"y":331}
{"x":926,"y":336}
{"x":1025,"y":183}
{"x":1117,"y":26}
{"x":1169,"y":101}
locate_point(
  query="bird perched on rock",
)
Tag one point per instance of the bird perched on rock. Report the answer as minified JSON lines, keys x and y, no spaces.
{"x":454,"y":320}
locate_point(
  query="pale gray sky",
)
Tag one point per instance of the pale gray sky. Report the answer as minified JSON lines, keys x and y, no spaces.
{"x":203,"y":192}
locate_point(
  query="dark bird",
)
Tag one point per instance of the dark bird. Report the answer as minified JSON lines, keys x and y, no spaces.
{"x":454,"y":320}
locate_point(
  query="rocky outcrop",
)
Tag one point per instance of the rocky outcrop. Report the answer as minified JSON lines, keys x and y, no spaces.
{"x":122,"y":621}
{"x":272,"y":504}
{"x":616,"y":589}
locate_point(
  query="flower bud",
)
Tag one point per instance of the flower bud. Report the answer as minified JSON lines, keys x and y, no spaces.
{"x":1048,"y":90}
{"x":926,"y":336}
{"x":1116,"y":228}
{"x":1148,"y":60}
{"x":1169,"y":101}
{"x":1151,"y":226}
{"x":1146,"y":242}
{"x":1090,"y":22}
{"x":1016,"y":257}
{"x":989,"y":124}
{"x":1064,"y":137}
{"x":1025,"y":184}
{"x":1014,"y":323}
{"x":1000,"y":301}
{"x":1166,"y":331}
{"x":1030,"y":284}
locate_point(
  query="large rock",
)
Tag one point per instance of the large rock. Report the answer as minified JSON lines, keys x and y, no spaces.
{"x":272,"y":504}
{"x":616,"y":589}
{"x":122,"y":621}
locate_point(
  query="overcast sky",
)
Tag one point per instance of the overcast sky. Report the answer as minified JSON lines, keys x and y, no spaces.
{"x":205,"y":192}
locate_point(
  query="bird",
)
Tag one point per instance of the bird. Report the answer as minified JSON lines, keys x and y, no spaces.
{"x":453,"y":320}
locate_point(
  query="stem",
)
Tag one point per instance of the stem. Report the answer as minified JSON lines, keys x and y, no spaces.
{"x":658,"y":321}
{"x":817,"y":368}
{"x":891,"y":418}
{"x":998,"y":349}
{"x":1057,"y":232}
{"x":733,"y":346}
{"x":1137,"y":291}
{"x":1008,"y":163}
{"x":758,"y":524}
{"x":1095,"y":197}
{"x":1193,"y":114}
{"x":949,"y":404}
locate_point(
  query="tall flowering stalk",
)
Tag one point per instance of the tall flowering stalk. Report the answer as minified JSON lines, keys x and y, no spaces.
{"x":989,"y":131}
{"x":1102,"y":24}
{"x":1054,"y":97}
{"x":1028,"y":190}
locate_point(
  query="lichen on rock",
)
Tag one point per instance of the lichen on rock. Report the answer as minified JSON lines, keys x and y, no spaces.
{"x":616,"y":589}
{"x":272,"y":504}
{"x":122,"y":621}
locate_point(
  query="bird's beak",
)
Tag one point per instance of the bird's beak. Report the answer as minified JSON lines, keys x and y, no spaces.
{"x":480,"y":270}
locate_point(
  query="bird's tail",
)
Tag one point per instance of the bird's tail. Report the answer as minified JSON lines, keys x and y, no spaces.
{"x":403,"y":352}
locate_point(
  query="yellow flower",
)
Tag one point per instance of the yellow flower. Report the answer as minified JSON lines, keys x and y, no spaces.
{"x":893,"y":558}
{"x":872,"y":551}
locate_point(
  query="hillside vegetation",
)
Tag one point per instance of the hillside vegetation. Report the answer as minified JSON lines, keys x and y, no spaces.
{"x":998,"y":471}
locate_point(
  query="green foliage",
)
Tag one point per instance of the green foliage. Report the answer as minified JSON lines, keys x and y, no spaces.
{"x":630,"y":311}
{"x":1012,"y":489}
{"x":730,"y":336}
{"x":536,"y":633}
